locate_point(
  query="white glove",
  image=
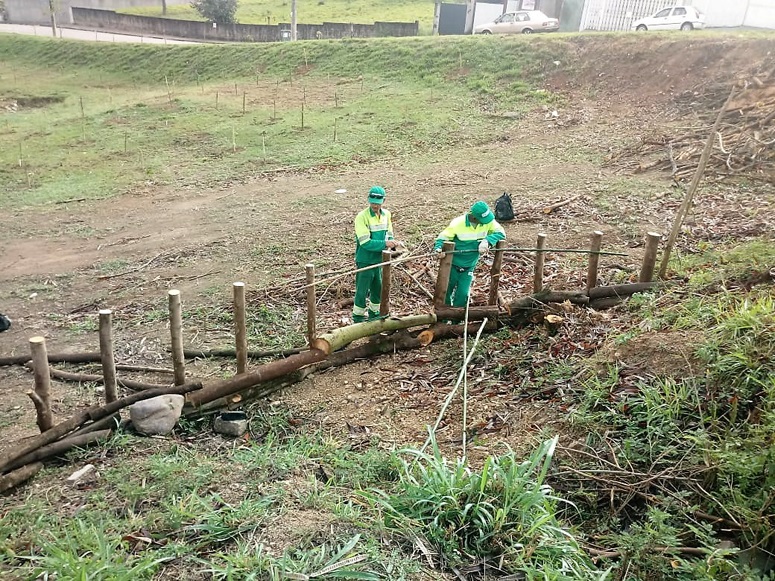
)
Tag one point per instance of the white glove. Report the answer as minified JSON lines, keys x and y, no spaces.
{"x":484,"y":247}
{"x":439,"y":253}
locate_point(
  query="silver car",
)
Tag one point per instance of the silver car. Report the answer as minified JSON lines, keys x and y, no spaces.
{"x":523,"y":22}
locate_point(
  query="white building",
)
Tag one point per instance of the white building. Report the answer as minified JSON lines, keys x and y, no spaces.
{"x":619,"y":14}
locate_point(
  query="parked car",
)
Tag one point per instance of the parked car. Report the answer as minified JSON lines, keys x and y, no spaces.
{"x":523,"y":22}
{"x":672,"y":18}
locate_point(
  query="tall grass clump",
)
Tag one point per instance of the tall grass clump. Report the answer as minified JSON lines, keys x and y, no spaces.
{"x":503,"y":516}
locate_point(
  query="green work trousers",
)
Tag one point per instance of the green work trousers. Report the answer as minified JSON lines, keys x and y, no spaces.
{"x":459,"y":286}
{"x":368,"y":290}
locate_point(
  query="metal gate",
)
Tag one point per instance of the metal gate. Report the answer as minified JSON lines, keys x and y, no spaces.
{"x":452,"y":19}
{"x":619,"y":14}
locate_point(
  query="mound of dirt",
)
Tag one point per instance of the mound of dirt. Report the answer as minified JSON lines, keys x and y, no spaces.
{"x":666,"y":353}
{"x":660,"y":69}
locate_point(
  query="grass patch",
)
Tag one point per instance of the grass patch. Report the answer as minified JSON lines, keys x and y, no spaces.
{"x":278,"y":11}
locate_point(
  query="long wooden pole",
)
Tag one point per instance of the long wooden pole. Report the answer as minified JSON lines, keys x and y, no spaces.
{"x":687,"y":201}
{"x":538,"y":275}
{"x":176,"y":335}
{"x":311,"y":304}
{"x":107,"y":356}
{"x":595,"y":241}
{"x":495,"y":273}
{"x":649,"y":257}
{"x":240,"y":327}
{"x":442,"y":279}
{"x":42,"y":379}
{"x":387,"y":275}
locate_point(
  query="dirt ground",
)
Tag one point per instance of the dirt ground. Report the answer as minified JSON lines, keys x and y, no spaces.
{"x":60,"y":263}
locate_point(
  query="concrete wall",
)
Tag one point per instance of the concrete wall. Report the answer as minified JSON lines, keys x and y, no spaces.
{"x":109,"y":21}
{"x":36,"y":11}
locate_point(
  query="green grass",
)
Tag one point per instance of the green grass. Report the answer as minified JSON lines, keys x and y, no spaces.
{"x":128,"y":116}
{"x":315,"y":11}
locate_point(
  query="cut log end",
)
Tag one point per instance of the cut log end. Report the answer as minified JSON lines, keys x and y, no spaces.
{"x":425,"y":338}
{"x":321,"y":345}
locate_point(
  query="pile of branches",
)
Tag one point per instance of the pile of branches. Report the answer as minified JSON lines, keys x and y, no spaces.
{"x":744,"y":144}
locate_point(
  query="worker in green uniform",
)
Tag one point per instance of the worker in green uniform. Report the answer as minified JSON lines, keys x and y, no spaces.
{"x":373,"y":234}
{"x":473,"y":234}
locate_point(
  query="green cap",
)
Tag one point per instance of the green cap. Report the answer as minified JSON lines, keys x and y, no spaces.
{"x":482,"y":212}
{"x":376,"y":195}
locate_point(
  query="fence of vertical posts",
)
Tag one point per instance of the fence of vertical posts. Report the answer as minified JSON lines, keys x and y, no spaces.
{"x":42,"y":371}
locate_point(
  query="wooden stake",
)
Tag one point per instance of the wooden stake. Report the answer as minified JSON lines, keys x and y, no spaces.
{"x":42,"y":391}
{"x":216,"y":100}
{"x":335,"y":120}
{"x":126,"y":136}
{"x":538,"y":274}
{"x":235,"y":89}
{"x":336,"y":100}
{"x":594,"y":245}
{"x":687,"y":201}
{"x":442,"y":279}
{"x":107,"y":355}
{"x":302,"y":114}
{"x":176,"y":334}
{"x":233,"y":141}
{"x":495,"y":272}
{"x":83,"y":119}
{"x":244,"y":98}
{"x":311,"y":304}
{"x":240,"y":327}
{"x":274,"y":109}
{"x":649,"y":257}
{"x":387,"y":274}
{"x":263,"y":144}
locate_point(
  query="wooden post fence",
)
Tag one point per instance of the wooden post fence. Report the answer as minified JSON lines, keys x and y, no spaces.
{"x":650,"y":257}
{"x":595,"y":242}
{"x":107,"y":356}
{"x":387,"y":274}
{"x":538,"y":275}
{"x":176,"y":334}
{"x":311,"y":304}
{"x":495,"y":273}
{"x":442,"y":279}
{"x":240,"y":327}
{"x":41,"y":397}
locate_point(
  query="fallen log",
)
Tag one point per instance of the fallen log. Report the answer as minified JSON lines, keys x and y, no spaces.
{"x":267,"y":372}
{"x":343,"y":336}
{"x":543,"y":297}
{"x":621,"y":290}
{"x":16,"y":477}
{"x":606,"y":302}
{"x":552,"y":207}
{"x":400,"y":341}
{"x":93,"y":378}
{"x":90,"y":357}
{"x":474,"y":313}
{"x":208,"y":353}
{"x":58,"y":448}
{"x":93,"y":413}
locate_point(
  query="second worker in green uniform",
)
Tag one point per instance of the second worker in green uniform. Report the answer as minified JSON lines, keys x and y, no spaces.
{"x":473,"y":234}
{"x":373,"y":234}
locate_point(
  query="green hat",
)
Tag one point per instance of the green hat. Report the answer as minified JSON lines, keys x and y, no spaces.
{"x":376,"y":195}
{"x":482,"y":212}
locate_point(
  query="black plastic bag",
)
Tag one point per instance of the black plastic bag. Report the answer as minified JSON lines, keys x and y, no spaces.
{"x":5,"y":323}
{"x":504,"y":211}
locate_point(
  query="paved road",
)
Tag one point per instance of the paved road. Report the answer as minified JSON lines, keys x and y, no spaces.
{"x":85,"y":34}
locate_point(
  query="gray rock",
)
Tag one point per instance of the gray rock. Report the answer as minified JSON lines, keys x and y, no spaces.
{"x":231,"y":424}
{"x":157,"y":415}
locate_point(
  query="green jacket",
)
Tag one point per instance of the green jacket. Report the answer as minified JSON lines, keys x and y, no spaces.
{"x":466,"y":236}
{"x":371,"y":232}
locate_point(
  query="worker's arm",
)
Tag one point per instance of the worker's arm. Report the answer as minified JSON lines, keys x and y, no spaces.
{"x":447,"y":235}
{"x":390,"y":227}
{"x":495,"y":233}
{"x":363,"y":235}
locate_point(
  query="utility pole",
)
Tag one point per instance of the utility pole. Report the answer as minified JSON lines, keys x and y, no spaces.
{"x":436,"y":17}
{"x":293,"y":19}
{"x":164,"y":7}
{"x":53,"y":17}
